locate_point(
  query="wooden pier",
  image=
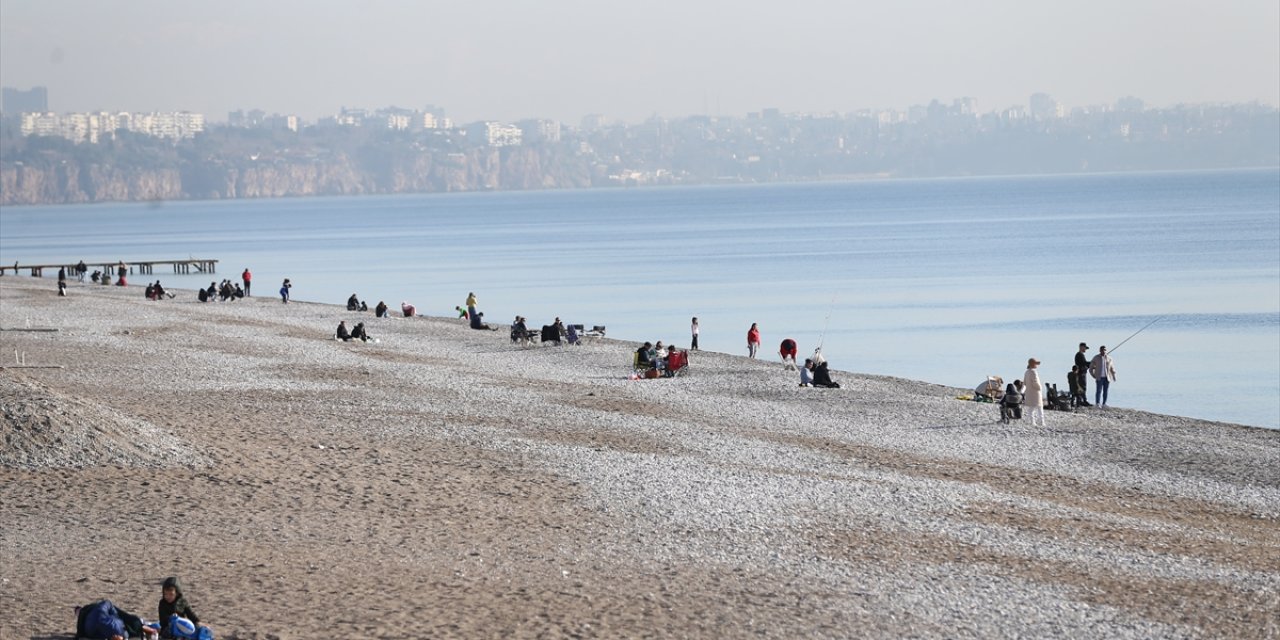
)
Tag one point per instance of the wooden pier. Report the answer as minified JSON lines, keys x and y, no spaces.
{"x":140,"y":267}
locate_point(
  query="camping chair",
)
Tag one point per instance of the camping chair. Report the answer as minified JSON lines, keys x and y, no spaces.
{"x":677,"y":363}
{"x":572,"y":332}
{"x":1057,"y":401}
{"x":550,"y":334}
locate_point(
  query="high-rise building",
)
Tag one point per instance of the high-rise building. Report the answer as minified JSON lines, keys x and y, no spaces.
{"x":14,"y":101}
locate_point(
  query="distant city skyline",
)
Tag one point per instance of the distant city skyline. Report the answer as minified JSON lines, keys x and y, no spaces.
{"x":565,"y":60}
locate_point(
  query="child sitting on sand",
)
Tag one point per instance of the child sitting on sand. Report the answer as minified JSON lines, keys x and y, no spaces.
{"x":173,"y":603}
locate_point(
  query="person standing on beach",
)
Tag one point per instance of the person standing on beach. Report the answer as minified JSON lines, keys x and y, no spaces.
{"x":693,"y":346}
{"x":248,"y":279}
{"x":62,"y":281}
{"x":284,"y":290}
{"x":82,"y":269}
{"x":1033,"y":392}
{"x":753,"y":340}
{"x":471,"y":305}
{"x":1103,"y":371}
{"x":1082,"y":374}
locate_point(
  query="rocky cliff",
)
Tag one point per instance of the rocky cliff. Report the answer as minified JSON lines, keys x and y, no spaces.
{"x":58,"y":178}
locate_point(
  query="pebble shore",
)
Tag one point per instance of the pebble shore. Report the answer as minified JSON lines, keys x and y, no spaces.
{"x":442,"y":482}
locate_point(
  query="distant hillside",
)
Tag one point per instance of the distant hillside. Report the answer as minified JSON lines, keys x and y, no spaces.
{"x":242,"y":163}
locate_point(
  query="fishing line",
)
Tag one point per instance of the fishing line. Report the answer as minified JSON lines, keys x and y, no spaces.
{"x":822,"y":337}
{"x":1113,"y":349}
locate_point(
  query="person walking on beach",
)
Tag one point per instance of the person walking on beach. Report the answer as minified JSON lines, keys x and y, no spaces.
{"x":1033,"y":392}
{"x":82,"y":269}
{"x":1082,"y":374}
{"x":248,"y":280}
{"x":284,"y":290}
{"x":62,"y":281}
{"x":693,"y":345}
{"x":753,"y":340}
{"x":1103,"y":371}
{"x":121,"y":271}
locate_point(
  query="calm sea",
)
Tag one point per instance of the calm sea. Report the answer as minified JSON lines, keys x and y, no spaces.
{"x":940,"y":280}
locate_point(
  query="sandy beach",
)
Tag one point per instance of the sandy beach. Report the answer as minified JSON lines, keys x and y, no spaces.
{"x":445,"y":483}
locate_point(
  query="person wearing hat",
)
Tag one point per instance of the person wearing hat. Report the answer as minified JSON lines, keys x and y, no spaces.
{"x":1033,"y":392}
{"x":1082,"y":374}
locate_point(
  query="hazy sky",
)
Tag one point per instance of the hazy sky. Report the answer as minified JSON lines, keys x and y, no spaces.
{"x":562,"y":59}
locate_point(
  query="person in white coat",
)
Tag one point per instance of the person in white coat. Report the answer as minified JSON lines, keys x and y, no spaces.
{"x":1033,"y":392}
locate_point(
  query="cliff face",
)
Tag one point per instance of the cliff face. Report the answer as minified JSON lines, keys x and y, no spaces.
{"x":74,"y":183}
{"x":63,"y":178}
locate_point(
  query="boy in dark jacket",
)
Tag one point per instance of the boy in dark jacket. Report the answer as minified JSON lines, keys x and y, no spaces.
{"x":171,"y":602}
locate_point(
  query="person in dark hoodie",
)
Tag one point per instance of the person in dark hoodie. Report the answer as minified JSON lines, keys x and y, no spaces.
{"x":173,"y":602}
{"x":102,"y":620}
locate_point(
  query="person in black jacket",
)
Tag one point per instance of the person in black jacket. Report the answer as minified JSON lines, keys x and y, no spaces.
{"x":1011,"y":403}
{"x":1082,"y":374}
{"x":343,"y":333}
{"x":822,"y":377}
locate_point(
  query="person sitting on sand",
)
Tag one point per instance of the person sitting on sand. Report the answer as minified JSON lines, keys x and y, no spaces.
{"x":1011,"y":403}
{"x":407,"y":309}
{"x":343,"y":334}
{"x":172,"y":603}
{"x":822,"y":377}
{"x":353,"y":303}
{"x":806,"y":373}
{"x":380,"y":311}
{"x":102,"y":620}
{"x":359,"y":333}
{"x":477,"y":321}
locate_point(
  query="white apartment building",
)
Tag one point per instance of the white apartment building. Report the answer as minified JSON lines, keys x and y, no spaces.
{"x":93,"y":127}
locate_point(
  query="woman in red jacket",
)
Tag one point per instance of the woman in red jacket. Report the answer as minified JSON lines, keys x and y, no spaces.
{"x":753,"y":340}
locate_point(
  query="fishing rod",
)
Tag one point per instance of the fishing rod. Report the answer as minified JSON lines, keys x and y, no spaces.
{"x":823,"y":336}
{"x":1113,"y":349}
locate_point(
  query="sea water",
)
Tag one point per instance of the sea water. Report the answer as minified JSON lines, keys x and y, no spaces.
{"x":946,"y":280}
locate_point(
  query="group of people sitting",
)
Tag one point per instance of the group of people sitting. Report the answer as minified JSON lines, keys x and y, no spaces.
{"x":815,"y":373}
{"x":656,"y":360}
{"x":347,"y":335}
{"x":226,"y":290}
{"x":103,"y":620}
{"x":354,"y":303}
{"x":556,"y":332}
{"x":157,"y":292}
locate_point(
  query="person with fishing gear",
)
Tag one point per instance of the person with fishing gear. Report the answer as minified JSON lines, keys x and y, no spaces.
{"x":1082,"y":375}
{"x":1103,"y":371}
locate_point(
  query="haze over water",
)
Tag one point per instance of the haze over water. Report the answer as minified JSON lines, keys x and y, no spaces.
{"x":940,"y":280}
